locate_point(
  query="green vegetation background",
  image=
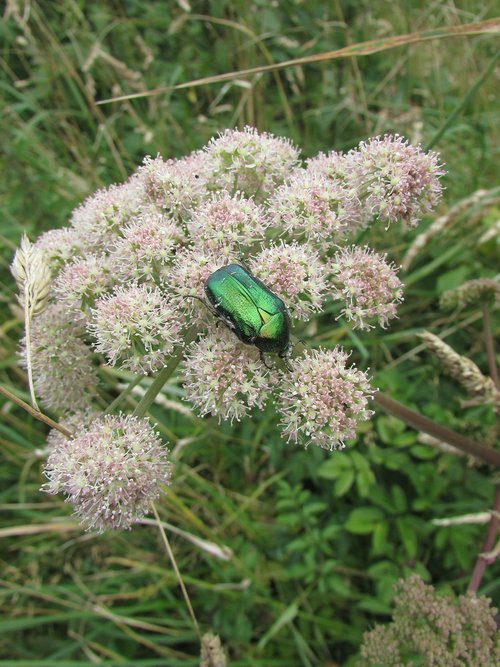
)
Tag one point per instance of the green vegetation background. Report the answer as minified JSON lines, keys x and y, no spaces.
{"x":318,"y":538}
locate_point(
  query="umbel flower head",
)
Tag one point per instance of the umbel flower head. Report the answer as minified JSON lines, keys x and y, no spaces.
{"x":322,"y":400}
{"x":295,"y":273}
{"x":395,"y":180}
{"x":313,"y":207}
{"x":224,"y":377}
{"x":62,"y":363}
{"x":434,"y":630}
{"x":249,"y":162}
{"x":367,"y":284}
{"x":136,"y":326}
{"x":128,"y":274}
{"x":110,"y":471}
{"x":225,"y":220}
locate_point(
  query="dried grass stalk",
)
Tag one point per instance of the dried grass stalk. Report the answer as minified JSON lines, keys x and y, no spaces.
{"x":33,"y":279}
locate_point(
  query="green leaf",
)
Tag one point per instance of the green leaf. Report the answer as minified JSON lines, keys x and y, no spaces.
{"x":407,"y":532}
{"x":286,"y":617}
{"x":399,"y":497}
{"x":334,"y":467}
{"x":388,"y":428}
{"x":365,"y":480}
{"x":379,"y":538}
{"x":343,"y":483}
{"x":452,"y":279}
{"x":363,"y":520}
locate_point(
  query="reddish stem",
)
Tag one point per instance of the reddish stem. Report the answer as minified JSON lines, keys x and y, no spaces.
{"x":490,"y":350}
{"x":489,"y":541}
{"x":421,"y":423}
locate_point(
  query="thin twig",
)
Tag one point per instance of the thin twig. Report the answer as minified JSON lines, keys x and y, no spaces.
{"x":482,"y":562}
{"x":34,"y":412}
{"x":421,"y":423}
{"x":176,"y":569}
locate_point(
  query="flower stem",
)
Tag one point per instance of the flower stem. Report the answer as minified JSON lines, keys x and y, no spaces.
{"x":34,"y":412}
{"x":176,"y":569}
{"x":482,"y":562}
{"x":123,"y":395}
{"x":27,"y":329}
{"x":159,"y":381}
{"x":490,"y":349}
{"x":421,"y":423}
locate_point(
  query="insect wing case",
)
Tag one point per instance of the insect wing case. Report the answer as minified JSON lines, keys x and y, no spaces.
{"x":256,"y":315}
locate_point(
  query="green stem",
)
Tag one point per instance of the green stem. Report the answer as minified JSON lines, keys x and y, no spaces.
{"x":162,"y":377}
{"x":463,"y":102}
{"x":421,"y":423}
{"x":123,"y":395}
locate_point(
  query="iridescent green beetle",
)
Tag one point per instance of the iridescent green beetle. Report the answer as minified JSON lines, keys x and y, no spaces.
{"x":249,"y":308}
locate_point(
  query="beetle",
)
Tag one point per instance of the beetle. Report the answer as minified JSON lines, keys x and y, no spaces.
{"x":250,"y":309}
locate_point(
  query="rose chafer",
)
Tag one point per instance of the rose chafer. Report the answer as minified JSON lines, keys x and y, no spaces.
{"x":250,"y":309}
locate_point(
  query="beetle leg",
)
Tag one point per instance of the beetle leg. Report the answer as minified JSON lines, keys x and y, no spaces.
{"x":207,"y":305}
{"x":263,"y":359}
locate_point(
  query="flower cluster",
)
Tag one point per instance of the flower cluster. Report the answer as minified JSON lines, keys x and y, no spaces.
{"x":396,"y":181}
{"x":480,"y":290}
{"x":313,"y":207}
{"x":322,"y":400}
{"x":227,"y":221}
{"x":367,"y":284}
{"x":295,"y":273}
{"x":62,"y":366}
{"x":225,"y":378}
{"x":434,"y":630}
{"x":129,"y":275}
{"x":136,"y":326}
{"x":110,"y":471}
{"x":248,"y":162}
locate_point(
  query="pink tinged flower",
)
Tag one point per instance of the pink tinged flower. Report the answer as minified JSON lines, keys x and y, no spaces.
{"x":397,"y":181}
{"x":250,"y":162}
{"x":136,"y":327}
{"x":101,"y":217}
{"x":225,"y":378}
{"x":71,"y":422}
{"x":295,"y":273}
{"x":332,"y":165}
{"x":322,"y":400}
{"x":62,"y":364}
{"x":367,"y":284}
{"x":147,"y":248}
{"x":172,"y":186}
{"x":314,"y":208}
{"x":224,"y":220}
{"x":83,"y":281}
{"x":110,"y":471}
{"x":60,"y":246}
{"x":188,"y":276}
